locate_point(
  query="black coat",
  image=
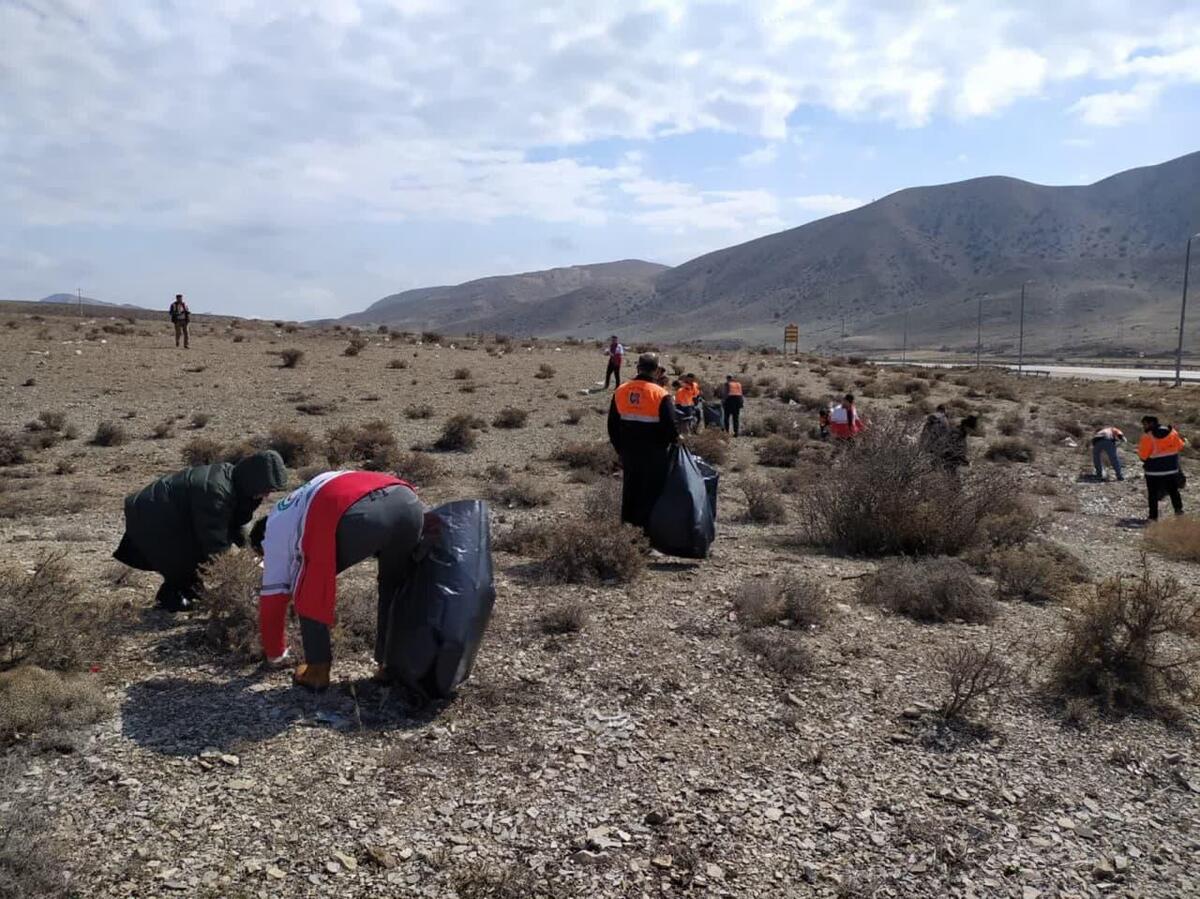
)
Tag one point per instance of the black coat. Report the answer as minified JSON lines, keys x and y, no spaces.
{"x":183,"y":519}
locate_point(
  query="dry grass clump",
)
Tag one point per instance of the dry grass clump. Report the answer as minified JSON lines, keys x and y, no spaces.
{"x":525,"y":540}
{"x":575,"y":415}
{"x":31,"y":858}
{"x":929,"y":591}
{"x":462,"y":374}
{"x":163,"y":430}
{"x":603,"y":502}
{"x":1030,"y":574}
{"x":45,"y":622}
{"x":545,"y":372}
{"x":459,"y":434}
{"x":355,"y":346}
{"x":882,"y":495}
{"x":290,"y":358}
{"x":199,"y":420}
{"x":523,"y":493}
{"x":596,"y":457}
{"x":418,"y":412}
{"x":231,"y":582}
{"x":764,"y":504}
{"x":357,"y":616}
{"x":109,"y":433}
{"x":972,"y":674}
{"x":1011,"y":449}
{"x":371,"y":445}
{"x":49,"y":704}
{"x":315,"y":407}
{"x":1011,"y":424}
{"x":568,"y":618}
{"x":711,"y":445}
{"x":780,"y":651}
{"x":1176,"y":538}
{"x":49,"y":420}
{"x":14,"y":448}
{"x":295,"y":446}
{"x":794,"y":395}
{"x":792,"y":600}
{"x":418,"y":468}
{"x":1133,"y":645}
{"x":579,"y":553}
{"x":510,"y":417}
{"x":779,"y":452}
{"x":396,"y":364}
{"x":202,"y":451}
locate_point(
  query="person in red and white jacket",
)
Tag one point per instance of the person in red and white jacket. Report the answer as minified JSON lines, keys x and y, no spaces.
{"x":844,"y":421}
{"x":336,"y":520}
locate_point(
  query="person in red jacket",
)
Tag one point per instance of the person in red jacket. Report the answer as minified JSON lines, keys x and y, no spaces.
{"x":844,"y":422}
{"x":616,"y":356}
{"x":336,"y":520}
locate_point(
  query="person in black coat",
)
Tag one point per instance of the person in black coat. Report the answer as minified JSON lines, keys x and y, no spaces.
{"x":179,"y":522}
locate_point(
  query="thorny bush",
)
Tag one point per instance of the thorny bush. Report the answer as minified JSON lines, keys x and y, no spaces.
{"x":929,"y":590}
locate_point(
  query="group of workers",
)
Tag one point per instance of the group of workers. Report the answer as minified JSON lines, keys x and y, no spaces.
{"x":1158,"y":448}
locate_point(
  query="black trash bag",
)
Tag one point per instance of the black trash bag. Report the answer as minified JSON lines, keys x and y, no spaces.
{"x":711,"y":479}
{"x":439,"y":616}
{"x":682,"y":522}
{"x":714,"y":415}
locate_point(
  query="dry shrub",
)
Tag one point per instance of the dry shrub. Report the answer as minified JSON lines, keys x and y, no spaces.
{"x":931,"y":590}
{"x":1175,"y":538}
{"x":597,"y":457}
{"x":764,"y":426}
{"x":45,"y":622}
{"x":418,"y":468}
{"x":397,"y":363}
{"x":1029,"y":574}
{"x":793,"y":394}
{"x":1011,"y":424}
{"x":318,"y":407}
{"x":231,"y":583}
{"x":603,"y":502}
{"x":34,"y":701}
{"x":545,"y":372}
{"x":972,"y":674}
{"x":202,"y":451}
{"x":109,"y":433}
{"x":882,"y":495}
{"x":764,"y":505}
{"x":1011,"y":449}
{"x":431,"y":337}
{"x":355,"y":346}
{"x":574,"y":415}
{"x":579,"y":553}
{"x":290,"y":358}
{"x":712,"y":445}
{"x":526,"y":540}
{"x":462,"y":374}
{"x":779,"y":452}
{"x":458,"y":434}
{"x":200,"y":419}
{"x":421,"y":411}
{"x":295,"y":446}
{"x":49,"y":420}
{"x":780,"y":651}
{"x":568,"y":618}
{"x":510,"y":417}
{"x":1132,"y":645}
{"x":357,"y":616}
{"x":792,"y":600}
{"x":163,"y":430}
{"x":524,"y":493}
{"x":371,"y":445}
{"x":236,"y":452}
{"x":14,"y":448}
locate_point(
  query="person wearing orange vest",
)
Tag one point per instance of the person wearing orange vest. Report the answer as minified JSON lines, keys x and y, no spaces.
{"x":337,"y":519}
{"x":642,"y":429}
{"x":1159,"y":451}
{"x":1104,"y":443}
{"x":732,"y":401}
{"x":686,"y":391}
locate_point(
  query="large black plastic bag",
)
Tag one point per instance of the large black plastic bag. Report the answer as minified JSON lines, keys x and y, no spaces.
{"x":439,"y":616}
{"x":683,"y":520}
{"x":711,"y":479}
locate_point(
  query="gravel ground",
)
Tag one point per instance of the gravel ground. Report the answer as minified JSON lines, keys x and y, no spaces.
{"x":647,"y":754}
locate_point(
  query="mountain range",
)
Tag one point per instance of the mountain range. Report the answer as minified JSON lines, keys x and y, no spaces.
{"x":1101,"y":265}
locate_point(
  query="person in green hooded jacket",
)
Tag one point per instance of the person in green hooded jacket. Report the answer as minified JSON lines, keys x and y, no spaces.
{"x":180,"y":521}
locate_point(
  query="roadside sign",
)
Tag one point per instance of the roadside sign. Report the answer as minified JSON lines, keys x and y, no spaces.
{"x":791,"y":335}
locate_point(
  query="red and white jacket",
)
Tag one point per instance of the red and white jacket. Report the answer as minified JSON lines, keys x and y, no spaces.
{"x":300,"y":551}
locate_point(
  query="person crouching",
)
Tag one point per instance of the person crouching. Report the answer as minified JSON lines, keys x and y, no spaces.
{"x":336,"y":520}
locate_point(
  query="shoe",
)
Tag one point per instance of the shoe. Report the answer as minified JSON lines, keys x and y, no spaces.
{"x":312,"y":677}
{"x":171,"y":599}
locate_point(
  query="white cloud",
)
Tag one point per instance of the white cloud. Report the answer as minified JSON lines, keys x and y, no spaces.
{"x":1117,"y":107}
{"x":1005,"y":74}
{"x":764,"y":155}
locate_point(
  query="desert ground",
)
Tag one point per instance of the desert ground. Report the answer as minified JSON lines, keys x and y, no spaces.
{"x":766,"y":722}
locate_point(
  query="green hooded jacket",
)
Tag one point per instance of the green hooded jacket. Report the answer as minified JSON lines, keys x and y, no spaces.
{"x":181,"y":520}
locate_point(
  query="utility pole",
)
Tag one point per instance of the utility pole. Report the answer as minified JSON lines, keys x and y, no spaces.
{"x":1021,"y":338}
{"x":79,"y":295}
{"x":979,"y":334}
{"x":904,"y":348}
{"x":1187,"y":264}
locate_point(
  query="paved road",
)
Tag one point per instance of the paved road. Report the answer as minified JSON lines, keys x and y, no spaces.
{"x":1092,"y":373}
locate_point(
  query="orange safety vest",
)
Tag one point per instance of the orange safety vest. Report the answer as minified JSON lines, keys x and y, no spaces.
{"x":1151,"y":447}
{"x":639,"y":401}
{"x":683,"y":396}
{"x":733,"y":388}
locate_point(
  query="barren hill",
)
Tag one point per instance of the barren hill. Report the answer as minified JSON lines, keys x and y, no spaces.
{"x":1104,"y":262}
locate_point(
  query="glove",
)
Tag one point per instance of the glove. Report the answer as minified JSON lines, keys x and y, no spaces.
{"x":312,"y":677}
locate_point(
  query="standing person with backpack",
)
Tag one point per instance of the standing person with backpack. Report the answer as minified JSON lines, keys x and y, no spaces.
{"x":1159,"y":451}
{"x":181,"y":316}
{"x":616,"y":356}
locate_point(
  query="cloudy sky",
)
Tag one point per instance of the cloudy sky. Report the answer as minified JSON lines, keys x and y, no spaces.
{"x":304,"y":158}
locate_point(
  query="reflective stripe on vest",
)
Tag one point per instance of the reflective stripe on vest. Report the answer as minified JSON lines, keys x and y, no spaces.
{"x":1165,"y":446}
{"x":639,"y":401}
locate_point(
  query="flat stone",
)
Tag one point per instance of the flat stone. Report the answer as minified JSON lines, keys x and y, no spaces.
{"x":349,"y":861}
{"x":714,"y":872}
{"x":275,"y":872}
{"x":662,"y":861}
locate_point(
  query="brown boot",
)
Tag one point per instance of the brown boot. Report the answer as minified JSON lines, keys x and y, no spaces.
{"x":312,"y":677}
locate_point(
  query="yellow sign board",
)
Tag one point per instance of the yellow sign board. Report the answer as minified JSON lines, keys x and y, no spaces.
{"x":791,"y":337}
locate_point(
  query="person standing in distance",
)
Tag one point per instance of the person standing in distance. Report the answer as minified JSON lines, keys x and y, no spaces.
{"x":616,"y":356}
{"x":732,"y":401}
{"x":181,"y":316}
{"x":1104,"y":443}
{"x":642,"y":429}
{"x":1159,"y":451}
